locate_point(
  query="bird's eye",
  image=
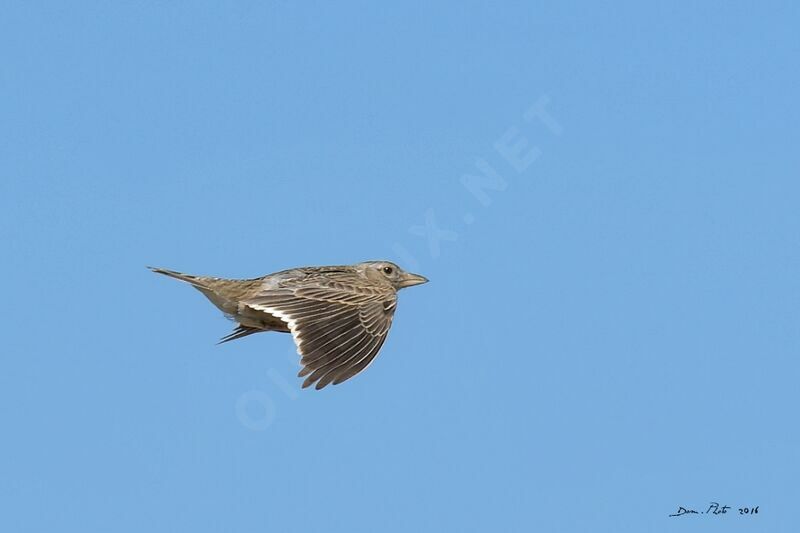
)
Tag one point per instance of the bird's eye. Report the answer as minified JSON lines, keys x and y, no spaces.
{"x":388,"y":270}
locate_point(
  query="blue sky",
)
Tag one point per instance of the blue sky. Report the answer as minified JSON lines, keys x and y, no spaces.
{"x":611,"y":327}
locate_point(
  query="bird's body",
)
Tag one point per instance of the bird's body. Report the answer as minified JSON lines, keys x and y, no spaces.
{"x":339,"y":316}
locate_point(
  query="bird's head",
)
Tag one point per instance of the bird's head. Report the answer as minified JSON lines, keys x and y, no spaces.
{"x":386,"y":271}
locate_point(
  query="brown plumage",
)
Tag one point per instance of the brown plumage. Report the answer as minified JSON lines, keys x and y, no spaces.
{"x":339,"y":316}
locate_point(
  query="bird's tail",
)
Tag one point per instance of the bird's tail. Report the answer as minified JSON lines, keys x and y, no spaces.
{"x":238,"y":333}
{"x":197,"y":281}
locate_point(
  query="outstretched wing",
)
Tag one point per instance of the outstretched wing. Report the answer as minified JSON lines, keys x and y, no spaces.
{"x":338,"y":327}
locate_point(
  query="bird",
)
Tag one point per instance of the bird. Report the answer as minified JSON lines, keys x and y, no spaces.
{"x":339,"y":316}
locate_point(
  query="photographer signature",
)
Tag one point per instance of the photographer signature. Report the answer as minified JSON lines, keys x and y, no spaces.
{"x":715,"y":509}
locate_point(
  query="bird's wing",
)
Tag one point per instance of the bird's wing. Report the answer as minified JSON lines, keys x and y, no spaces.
{"x":338,"y":327}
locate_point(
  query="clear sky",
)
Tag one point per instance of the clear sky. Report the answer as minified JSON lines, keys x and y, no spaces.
{"x":605,"y":199}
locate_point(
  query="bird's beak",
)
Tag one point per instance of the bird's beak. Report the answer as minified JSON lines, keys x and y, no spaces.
{"x":409,"y":280}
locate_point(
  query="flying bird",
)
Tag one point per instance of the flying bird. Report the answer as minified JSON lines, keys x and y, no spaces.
{"x":339,"y":316}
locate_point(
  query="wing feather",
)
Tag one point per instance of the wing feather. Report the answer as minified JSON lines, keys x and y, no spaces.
{"x":338,"y":327}
{"x":355,"y":345}
{"x":369,"y":350}
{"x":359,"y":366}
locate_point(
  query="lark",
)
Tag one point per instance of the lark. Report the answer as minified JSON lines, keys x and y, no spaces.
{"x":339,"y":316}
